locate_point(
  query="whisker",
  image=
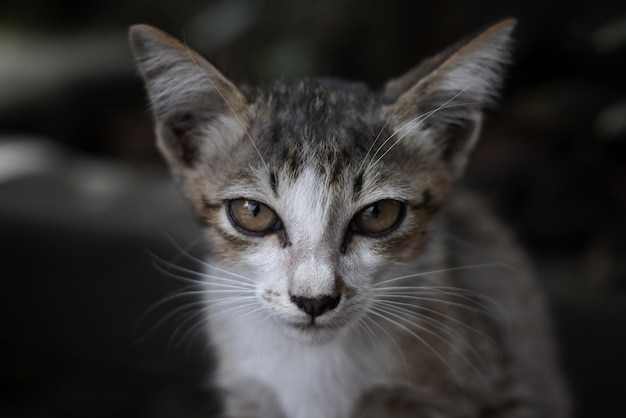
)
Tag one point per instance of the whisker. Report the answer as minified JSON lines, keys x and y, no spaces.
{"x":202,"y":322}
{"x":241,"y":124}
{"x":372,"y":145}
{"x":458,"y":292}
{"x":203,"y":262}
{"x":380,"y":313}
{"x":487,"y":305}
{"x":417,"y":121}
{"x":442,"y":339}
{"x":483,"y":309}
{"x":393,"y":341}
{"x":420,"y":317}
{"x":362,"y":325}
{"x":193,"y":290}
{"x":162,"y":321}
{"x":241,"y":278}
{"x":193,"y":332}
{"x":396,"y":132}
{"x":449,"y":269}
{"x":438,"y":324}
{"x":409,"y":309}
{"x":184,"y":252}
{"x":163,"y":266}
{"x":239,"y":304}
{"x":177,"y":294}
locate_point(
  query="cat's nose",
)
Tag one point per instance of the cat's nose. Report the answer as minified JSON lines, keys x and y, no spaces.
{"x":316,"y":306}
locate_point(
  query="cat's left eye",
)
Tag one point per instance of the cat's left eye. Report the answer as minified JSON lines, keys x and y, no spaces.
{"x":252,"y":217}
{"x":379,"y":217}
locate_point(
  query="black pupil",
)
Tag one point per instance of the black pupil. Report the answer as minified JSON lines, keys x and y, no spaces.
{"x":254,"y":208}
{"x":374,"y":210}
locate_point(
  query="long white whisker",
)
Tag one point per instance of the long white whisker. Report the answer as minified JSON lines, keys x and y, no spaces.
{"x":196,"y":289}
{"x":163,"y":320}
{"x":161,"y":265}
{"x":393,"y":341}
{"x":439,"y":337}
{"x":202,"y":322}
{"x":396,"y":132}
{"x":372,"y":146}
{"x":239,"y":277}
{"x":249,"y":301}
{"x":486,"y":304}
{"x":208,"y":77}
{"x":166,"y":269}
{"x":482,"y":309}
{"x":458,"y":292}
{"x":177,"y":294}
{"x":192,"y":332}
{"x":209,"y":286}
{"x":410,"y":308}
{"x":449,"y":269}
{"x":243,"y":296}
{"x":379,"y":312}
{"x":184,"y":252}
{"x":419,"y":120}
{"x":363,"y":325}
{"x":436,"y":323}
{"x":203,"y":262}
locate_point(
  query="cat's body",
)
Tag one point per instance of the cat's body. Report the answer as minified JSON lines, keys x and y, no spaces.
{"x":346,"y":278}
{"x":463,"y":372}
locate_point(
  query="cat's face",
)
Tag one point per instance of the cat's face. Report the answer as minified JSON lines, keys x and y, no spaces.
{"x":315,"y":191}
{"x":324,"y":207}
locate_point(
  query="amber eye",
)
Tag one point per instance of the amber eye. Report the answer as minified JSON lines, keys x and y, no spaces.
{"x":252,"y":217}
{"x":379,"y":217}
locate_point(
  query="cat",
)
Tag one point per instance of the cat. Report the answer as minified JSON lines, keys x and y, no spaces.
{"x":347,"y":276}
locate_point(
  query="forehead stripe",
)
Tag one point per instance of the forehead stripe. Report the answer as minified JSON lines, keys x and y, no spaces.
{"x":274,"y":183}
{"x":358,"y":184}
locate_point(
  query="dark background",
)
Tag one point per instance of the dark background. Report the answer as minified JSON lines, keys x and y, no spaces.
{"x":87,"y":209}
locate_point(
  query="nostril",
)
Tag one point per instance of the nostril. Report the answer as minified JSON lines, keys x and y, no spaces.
{"x":316,"y":306}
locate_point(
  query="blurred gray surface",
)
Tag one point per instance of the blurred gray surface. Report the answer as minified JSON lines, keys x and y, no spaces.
{"x":81,"y":241}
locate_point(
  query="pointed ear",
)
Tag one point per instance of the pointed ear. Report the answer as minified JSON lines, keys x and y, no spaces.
{"x":194,"y":105}
{"x":442,"y":99}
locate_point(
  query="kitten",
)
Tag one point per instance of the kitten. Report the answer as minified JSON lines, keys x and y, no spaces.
{"x":347,"y":278}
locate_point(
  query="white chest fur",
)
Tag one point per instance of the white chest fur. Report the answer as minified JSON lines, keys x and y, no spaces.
{"x":308,"y":380}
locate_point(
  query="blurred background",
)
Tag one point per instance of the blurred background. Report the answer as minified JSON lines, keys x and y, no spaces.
{"x":89,"y":219}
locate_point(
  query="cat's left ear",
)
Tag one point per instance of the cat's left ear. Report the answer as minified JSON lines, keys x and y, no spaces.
{"x":440,"y":102}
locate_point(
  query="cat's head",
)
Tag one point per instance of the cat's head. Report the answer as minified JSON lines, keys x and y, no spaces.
{"x":313,"y":189}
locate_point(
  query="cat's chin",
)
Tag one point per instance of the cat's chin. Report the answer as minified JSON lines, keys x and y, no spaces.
{"x":311,"y":333}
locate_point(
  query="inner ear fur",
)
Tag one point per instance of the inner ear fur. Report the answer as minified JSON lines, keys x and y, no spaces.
{"x":442,"y":99}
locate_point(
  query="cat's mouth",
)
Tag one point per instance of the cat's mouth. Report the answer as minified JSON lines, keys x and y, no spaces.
{"x":313,"y":330}
{"x":310,"y":326}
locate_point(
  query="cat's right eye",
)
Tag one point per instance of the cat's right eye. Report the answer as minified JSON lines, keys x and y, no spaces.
{"x":252,"y":217}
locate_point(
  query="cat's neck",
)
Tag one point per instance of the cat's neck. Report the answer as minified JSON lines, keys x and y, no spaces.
{"x":305,"y":377}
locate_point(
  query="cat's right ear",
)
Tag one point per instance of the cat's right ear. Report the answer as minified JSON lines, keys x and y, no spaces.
{"x":194,"y":105}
